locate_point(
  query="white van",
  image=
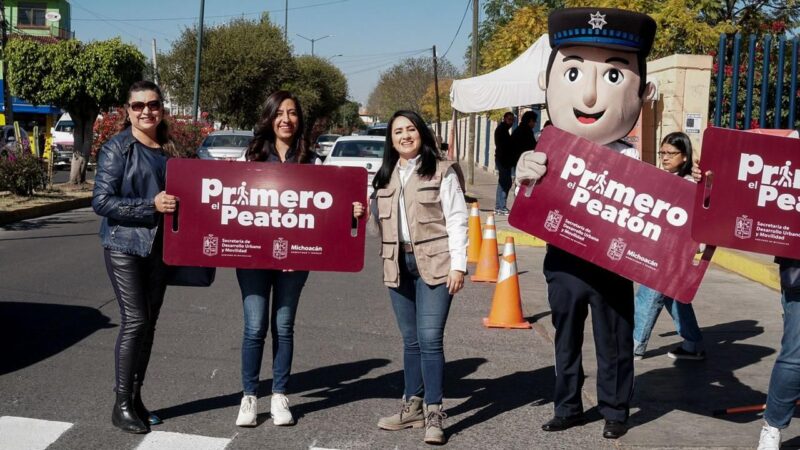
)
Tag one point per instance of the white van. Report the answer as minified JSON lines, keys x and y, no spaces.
{"x":62,"y":131}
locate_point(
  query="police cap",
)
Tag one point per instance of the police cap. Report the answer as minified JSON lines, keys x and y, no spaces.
{"x":602,"y":27}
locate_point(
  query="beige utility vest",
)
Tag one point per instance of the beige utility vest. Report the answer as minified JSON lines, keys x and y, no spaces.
{"x":426,"y":223}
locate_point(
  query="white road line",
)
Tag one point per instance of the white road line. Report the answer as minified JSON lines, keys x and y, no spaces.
{"x":20,"y":433}
{"x":162,"y":440}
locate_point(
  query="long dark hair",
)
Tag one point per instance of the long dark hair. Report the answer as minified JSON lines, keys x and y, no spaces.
{"x":162,"y":129}
{"x":682,"y":142}
{"x":429,"y":155}
{"x":263,"y":142}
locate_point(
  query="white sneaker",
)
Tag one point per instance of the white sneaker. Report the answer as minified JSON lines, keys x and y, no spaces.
{"x":279,"y":410}
{"x":248,"y":411}
{"x":770,"y":438}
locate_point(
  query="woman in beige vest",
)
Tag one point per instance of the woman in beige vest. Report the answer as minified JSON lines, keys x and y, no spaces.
{"x":423,"y":223}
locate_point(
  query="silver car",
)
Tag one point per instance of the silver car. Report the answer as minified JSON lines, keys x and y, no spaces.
{"x":227,"y":145}
{"x":325,"y":144}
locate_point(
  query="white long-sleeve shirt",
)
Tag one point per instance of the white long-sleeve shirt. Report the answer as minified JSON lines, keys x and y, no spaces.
{"x":455,"y":213}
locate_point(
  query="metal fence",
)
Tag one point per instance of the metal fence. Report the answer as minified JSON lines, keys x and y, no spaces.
{"x":760,"y":78}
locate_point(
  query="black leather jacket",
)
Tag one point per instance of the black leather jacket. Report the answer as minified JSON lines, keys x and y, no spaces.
{"x":129,"y":176}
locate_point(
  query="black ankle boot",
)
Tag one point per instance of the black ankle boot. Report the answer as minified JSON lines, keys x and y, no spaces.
{"x":124,"y":416}
{"x":146,"y":416}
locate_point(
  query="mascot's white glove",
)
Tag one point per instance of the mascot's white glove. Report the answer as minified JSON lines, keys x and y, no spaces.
{"x":532,"y":166}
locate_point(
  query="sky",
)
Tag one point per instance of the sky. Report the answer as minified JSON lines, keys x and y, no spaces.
{"x":367,"y":36}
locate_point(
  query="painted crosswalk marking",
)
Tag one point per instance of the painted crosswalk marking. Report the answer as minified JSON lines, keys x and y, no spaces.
{"x":160,"y":440}
{"x":21,"y":433}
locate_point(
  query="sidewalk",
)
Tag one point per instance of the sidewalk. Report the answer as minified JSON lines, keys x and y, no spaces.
{"x":674,"y":401}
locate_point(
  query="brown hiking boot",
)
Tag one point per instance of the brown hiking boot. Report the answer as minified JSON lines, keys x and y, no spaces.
{"x":410,"y":416}
{"x":434,"y":434}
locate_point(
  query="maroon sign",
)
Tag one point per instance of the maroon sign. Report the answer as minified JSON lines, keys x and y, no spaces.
{"x":751,"y":200}
{"x":614,"y":211}
{"x":264,"y":216}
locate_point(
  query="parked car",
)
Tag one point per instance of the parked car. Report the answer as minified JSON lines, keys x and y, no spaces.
{"x":8,"y":140}
{"x":62,"y":130}
{"x":325,"y":144}
{"x":225,"y":145}
{"x":62,"y":156}
{"x":358,"y":151}
{"x":379,"y":129}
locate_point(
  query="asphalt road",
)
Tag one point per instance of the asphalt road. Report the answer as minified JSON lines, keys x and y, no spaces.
{"x":62,"y":175}
{"x":59,"y":319}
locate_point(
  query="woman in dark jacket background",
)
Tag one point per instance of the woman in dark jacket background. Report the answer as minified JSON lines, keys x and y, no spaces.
{"x":129,"y":194}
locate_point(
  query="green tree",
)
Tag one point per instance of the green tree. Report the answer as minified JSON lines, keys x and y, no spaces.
{"x":514,"y":37}
{"x":321,"y":88}
{"x":404,"y":85}
{"x":683,"y":27}
{"x":243,"y":62}
{"x":346,"y":118}
{"x":428,"y":108}
{"x":81,"y":78}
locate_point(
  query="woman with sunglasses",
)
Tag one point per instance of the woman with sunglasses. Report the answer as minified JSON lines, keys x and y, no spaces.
{"x":676,"y":157}
{"x":129,"y":195}
{"x":279,"y":139}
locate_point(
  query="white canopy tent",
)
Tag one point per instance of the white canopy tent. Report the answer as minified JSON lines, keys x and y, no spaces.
{"x":513,"y":85}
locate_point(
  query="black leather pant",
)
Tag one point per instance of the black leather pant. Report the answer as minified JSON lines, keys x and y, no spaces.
{"x":139,"y":285}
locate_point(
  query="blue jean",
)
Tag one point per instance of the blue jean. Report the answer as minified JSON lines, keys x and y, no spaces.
{"x":784,"y":384}
{"x":256,"y":286}
{"x":647,"y":307}
{"x":421,"y":312}
{"x":504,"y":175}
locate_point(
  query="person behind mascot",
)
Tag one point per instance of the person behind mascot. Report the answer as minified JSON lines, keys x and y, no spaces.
{"x":595,"y":86}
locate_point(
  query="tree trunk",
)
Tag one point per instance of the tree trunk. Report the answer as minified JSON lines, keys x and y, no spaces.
{"x":82,"y":146}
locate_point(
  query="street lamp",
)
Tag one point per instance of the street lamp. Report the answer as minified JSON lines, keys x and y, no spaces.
{"x":314,"y":40}
{"x":330,"y":58}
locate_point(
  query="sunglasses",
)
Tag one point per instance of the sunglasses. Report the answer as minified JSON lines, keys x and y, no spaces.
{"x":155,"y":105}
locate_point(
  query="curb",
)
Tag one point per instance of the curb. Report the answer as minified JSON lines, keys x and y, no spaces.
{"x":43,"y":210}
{"x":520,"y":238}
{"x":732,"y":260}
{"x":758,"y":271}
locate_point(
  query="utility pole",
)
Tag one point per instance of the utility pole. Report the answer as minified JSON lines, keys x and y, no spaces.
{"x":471,"y":145}
{"x":155,"y":63}
{"x":9,"y":112}
{"x":198,"y":57}
{"x":286,"y":21}
{"x":436,"y":92}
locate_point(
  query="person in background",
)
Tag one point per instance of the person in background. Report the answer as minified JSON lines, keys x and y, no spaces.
{"x":278,"y":139}
{"x":423,"y":226}
{"x":505,"y":162}
{"x":522,"y":139}
{"x":129,"y":195}
{"x":676,"y":157}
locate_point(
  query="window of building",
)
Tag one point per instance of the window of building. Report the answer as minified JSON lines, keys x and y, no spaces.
{"x":32,"y":15}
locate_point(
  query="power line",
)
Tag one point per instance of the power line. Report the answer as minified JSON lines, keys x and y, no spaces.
{"x":361,"y":62}
{"x":469,"y":2}
{"x":108,"y":21}
{"x":383,"y":64}
{"x":213,"y":17}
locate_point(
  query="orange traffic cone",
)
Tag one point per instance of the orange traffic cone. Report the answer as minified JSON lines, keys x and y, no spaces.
{"x":487,"y":264}
{"x":507,"y":305}
{"x":474,"y":248}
